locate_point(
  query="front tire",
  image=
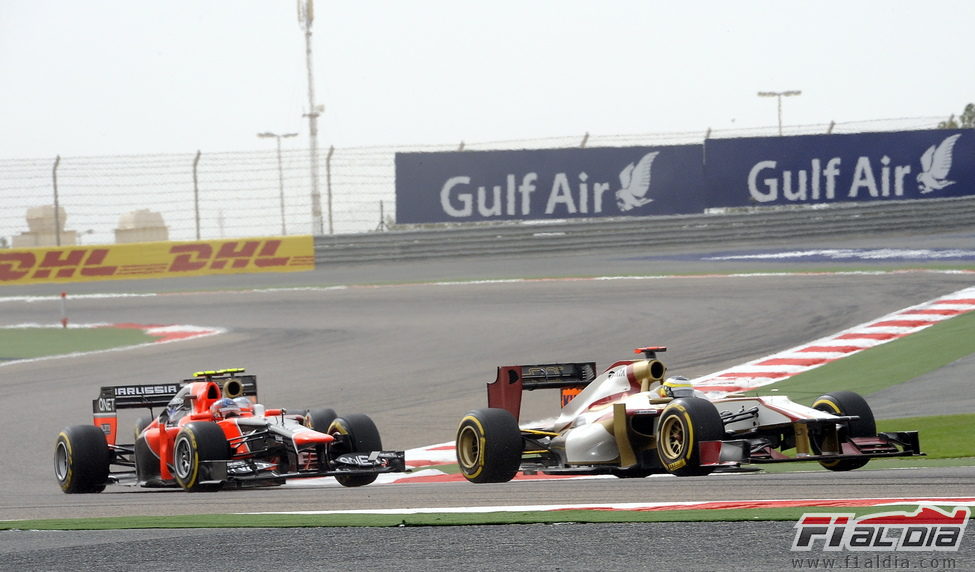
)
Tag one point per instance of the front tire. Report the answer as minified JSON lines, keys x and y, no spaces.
{"x":82,"y":459}
{"x":848,"y":403}
{"x":489,"y":446}
{"x":320,"y":419}
{"x":683,"y":424}
{"x":355,"y":432}
{"x":195,"y":444}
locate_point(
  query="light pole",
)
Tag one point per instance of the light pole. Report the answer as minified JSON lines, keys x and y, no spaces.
{"x":306,"y":16}
{"x":266,"y":135}
{"x":779,"y":95}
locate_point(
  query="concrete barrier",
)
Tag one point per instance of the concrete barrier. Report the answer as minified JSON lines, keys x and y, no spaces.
{"x":758,"y":225}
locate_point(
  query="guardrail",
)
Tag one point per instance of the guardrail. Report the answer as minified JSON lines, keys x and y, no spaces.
{"x":650,"y":232}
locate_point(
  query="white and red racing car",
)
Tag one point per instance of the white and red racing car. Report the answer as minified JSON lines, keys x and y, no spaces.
{"x":630,"y":421}
{"x":212,"y":433}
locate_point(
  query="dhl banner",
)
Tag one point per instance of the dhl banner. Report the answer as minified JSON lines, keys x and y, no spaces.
{"x":156,"y":260}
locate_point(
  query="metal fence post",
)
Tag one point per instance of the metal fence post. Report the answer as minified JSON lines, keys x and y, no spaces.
{"x":328,"y":186}
{"x":196,"y":194}
{"x":57,"y":213}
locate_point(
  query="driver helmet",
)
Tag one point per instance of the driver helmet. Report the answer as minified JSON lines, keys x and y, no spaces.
{"x":245,"y":404}
{"x":677,"y":386}
{"x":224,"y":408}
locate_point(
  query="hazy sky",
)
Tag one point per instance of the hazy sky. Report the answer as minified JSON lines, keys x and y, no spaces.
{"x":98,"y":77}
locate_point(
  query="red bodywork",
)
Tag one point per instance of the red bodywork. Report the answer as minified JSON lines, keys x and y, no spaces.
{"x":161,"y":433}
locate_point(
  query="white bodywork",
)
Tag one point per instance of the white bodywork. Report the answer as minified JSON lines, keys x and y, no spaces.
{"x":585,"y":422}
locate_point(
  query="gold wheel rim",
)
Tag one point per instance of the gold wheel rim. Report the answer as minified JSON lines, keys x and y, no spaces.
{"x":468,"y":448}
{"x":673,"y":441}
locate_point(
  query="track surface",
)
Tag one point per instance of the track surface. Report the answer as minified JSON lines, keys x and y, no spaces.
{"x":415,"y":357}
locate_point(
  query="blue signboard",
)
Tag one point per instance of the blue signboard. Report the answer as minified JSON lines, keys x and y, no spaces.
{"x":474,"y":186}
{"x":811,"y":169}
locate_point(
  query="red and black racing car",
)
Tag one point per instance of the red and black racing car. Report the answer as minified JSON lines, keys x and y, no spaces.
{"x":213,"y":433}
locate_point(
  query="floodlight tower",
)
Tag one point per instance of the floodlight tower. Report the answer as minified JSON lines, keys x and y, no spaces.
{"x":306,"y":16}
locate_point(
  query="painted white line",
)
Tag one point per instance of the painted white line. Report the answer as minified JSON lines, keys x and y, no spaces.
{"x":673,"y":505}
{"x":34,"y":299}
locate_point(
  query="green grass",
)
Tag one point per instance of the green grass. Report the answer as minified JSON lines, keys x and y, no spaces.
{"x":942,"y":436}
{"x":885,"y":365}
{"x":875,"y":464}
{"x":945,"y":442}
{"x":25,"y":343}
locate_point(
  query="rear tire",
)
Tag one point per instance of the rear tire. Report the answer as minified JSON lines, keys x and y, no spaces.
{"x":683,"y":424}
{"x":489,"y":446}
{"x":195,"y":444}
{"x":82,"y":459}
{"x":147,"y":467}
{"x":848,"y":403}
{"x":141,"y":423}
{"x":355,"y":432}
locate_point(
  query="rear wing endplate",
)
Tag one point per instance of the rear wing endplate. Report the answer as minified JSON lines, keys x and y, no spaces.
{"x":505,"y":391}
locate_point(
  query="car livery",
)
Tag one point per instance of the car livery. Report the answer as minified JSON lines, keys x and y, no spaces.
{"x":197,"y":444}
{"x":629,"y":421}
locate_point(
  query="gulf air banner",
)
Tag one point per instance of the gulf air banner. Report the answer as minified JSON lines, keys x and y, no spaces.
{"x":478,"y":186}
{"x":156,"y":260}
{"x":827,"y":169}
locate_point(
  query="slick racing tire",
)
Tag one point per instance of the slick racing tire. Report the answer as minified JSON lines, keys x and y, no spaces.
{"x":320,"y":419}
{"x":683,"y":424}
{"x":355,"y":432}
{"x":489,"y":446}
{"x":195,"y":444}
{"x":82,"y":459}
{"x":848,"y":403}
{"x":141,"y":423}
{"x":146,"y":462}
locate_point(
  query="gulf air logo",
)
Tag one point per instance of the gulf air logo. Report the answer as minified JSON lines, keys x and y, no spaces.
{"x":935,"y":164}
{"x":868,"y":178}
{"x":562,"y":193}
{"x":635,"y":183}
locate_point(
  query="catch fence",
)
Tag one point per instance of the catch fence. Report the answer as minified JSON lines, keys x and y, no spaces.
{"x":215,"y":195}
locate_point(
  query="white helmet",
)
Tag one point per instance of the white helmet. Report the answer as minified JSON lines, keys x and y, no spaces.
{"x":677,"y":386}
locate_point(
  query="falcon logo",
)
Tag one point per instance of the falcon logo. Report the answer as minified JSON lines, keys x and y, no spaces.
{"x":635,"y":183}
{"x":935,"y":164}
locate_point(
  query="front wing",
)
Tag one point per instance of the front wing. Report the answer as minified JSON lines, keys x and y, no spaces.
{"x":375,"y":462}
{"x":734,"y":452}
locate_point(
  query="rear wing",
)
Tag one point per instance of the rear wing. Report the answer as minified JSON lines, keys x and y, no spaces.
{"x":111,"y":398}
{"x":505,"y":391}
